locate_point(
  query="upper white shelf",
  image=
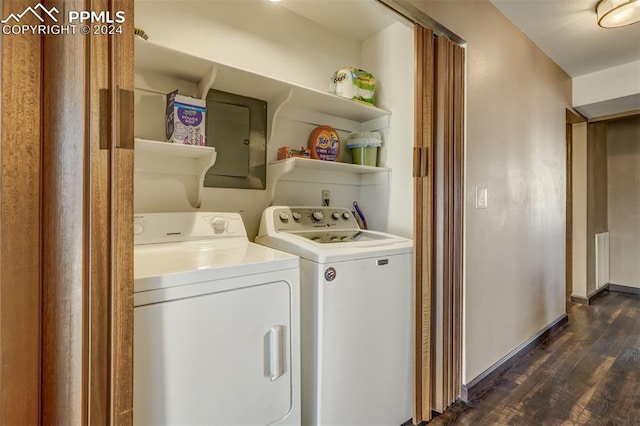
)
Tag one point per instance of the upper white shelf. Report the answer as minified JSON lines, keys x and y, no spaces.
{"x":288,"y":98}
{"x":174,"y":150}
{"x":174,"y":158}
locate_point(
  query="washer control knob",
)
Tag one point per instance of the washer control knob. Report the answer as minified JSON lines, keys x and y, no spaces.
{"x":296,"y":216}
{"x":219,"y":224}
{"x":346,"y":215}
{"x":335,"y":215}
{"x":284,"y":217}
{"x":138,"y":228}
{"x":317,"y":215}
{"x":330,"y":274}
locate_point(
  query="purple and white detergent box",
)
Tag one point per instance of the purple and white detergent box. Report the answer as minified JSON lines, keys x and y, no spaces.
{"x":185,"y":119}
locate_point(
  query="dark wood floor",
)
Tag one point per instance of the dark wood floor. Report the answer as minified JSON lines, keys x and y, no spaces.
{"x":588,"y":373}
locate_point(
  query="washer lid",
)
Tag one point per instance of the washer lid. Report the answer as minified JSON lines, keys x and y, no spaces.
{"x":318,"y":246}
{"x":346,"y":236}
{"x":173,"y":264}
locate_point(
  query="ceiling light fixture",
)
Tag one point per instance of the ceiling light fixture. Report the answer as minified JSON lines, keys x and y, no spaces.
{"x":275,"y":1}
{"x":618,"y":13}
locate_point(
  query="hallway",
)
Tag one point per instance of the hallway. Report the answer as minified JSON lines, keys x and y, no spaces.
{"x":587,"y":373}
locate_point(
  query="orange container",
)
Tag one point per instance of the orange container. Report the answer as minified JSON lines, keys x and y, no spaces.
{"x":324,"y":143}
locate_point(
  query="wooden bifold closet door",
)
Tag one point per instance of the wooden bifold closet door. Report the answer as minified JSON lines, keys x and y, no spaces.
{"x":66,"y":312}
{"x":438,"y":195}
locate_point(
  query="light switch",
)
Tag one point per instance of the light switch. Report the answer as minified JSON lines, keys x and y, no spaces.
{"x":481,"y":197}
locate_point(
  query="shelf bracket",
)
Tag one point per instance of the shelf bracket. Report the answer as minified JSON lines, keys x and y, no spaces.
{"x":274,"y":173}
{"x":207,"y":82}
{"x":275,"y":107}
{"x":203,"y":166}
{"x":164,"y":158}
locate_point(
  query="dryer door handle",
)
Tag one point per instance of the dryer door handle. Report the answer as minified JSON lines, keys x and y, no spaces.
{"x":275,"y":352}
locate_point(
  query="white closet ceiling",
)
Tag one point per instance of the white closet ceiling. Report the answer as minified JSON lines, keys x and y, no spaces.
{"x":355,"y":19}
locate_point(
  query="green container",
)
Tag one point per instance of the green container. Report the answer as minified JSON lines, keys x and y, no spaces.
{"x":365,"y":155}
{"x":364,"y":148}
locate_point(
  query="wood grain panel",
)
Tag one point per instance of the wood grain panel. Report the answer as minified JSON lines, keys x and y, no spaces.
{"x":449,"y":140}
{"x":418,"y":227}
{"x":20,"y":236}
{"x":458,"y":212}
{"x":99,"y":363}
{"x":64,"y":227}
{"x":122,"y":224}
{"x":423,"y":226}
{"x":438,"y":198}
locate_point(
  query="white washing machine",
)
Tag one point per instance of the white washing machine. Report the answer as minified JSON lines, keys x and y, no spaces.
{"x":216,"y":324}
{"x":356,"y":315}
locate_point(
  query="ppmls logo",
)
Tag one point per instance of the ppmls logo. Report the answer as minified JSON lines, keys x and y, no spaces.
{"x":78,"y":21}
{"x":17,"y":17}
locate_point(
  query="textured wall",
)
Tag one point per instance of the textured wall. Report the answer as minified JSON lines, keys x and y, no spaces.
{"x":623,"y":147}
{"x":596,"y":194}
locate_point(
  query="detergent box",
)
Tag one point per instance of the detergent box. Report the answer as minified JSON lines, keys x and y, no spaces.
{"x":185,"y":119}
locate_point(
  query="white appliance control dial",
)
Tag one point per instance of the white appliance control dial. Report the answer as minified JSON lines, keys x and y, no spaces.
{"x":138,"y":228}
{"x":284,"y":217}
{"x":296,"y":216}
{"x":335,"y":215}
{"x":317,"y":215}
{"x":219,"y":224}
{"x":346,"y":215}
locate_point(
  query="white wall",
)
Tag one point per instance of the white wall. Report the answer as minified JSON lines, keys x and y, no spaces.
{"x":579,"y":230}
{"x":515,"y":146}
{"x":391,"y":54}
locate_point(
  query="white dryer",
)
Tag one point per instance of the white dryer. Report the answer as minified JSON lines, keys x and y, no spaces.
{"x":216,"y":324}
{"x":356,"y":315}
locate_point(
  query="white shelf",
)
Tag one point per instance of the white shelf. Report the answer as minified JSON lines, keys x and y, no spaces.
{"x":285,"y":99}
{"x":171,"y":158}
{"x":310,"y":170}
{"x":328,"y":166}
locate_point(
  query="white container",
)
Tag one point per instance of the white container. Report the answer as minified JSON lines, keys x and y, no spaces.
{"x":185,"y":119}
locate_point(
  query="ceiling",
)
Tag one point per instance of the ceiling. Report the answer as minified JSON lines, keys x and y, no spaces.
{"x":567,"y":31}
{"x":339,"y":16}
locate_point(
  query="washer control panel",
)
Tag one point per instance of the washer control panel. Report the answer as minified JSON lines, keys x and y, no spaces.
{"x":291,"y":219}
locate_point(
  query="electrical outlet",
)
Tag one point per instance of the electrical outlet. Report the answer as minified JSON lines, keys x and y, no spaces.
{"x":326,"y":197}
